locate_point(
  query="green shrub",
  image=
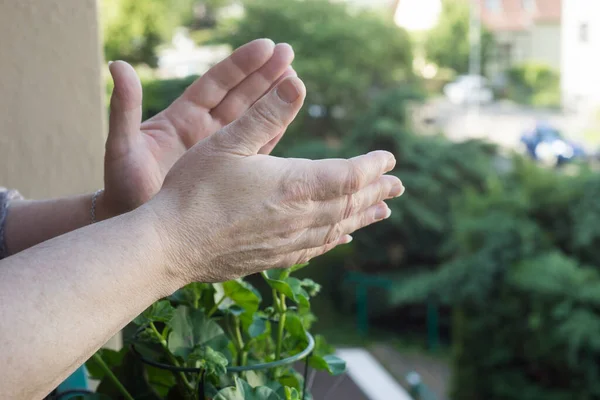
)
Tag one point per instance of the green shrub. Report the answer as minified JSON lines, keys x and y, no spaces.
{"x":525,"y":286}
{"x":534,"y":84}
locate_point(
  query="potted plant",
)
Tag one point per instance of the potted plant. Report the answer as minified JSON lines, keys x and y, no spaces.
{"x":220,"y":342}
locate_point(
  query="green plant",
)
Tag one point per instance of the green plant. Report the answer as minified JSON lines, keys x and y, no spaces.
{"x":218,"y":341}
{"x":534,"y":84}
{"x":447,"y":44}
{"x":341,"y":80}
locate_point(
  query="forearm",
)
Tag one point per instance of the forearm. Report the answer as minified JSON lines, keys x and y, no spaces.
{"x":30,"y":222}
{"x":63,"y":299}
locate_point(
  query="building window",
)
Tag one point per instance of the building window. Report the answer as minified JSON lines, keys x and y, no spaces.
{"x":528,"y":5}
{"x":493,"y":5}
{"x":584,"y":32}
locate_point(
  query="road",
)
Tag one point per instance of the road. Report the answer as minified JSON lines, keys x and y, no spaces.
{"x":501,"y":122}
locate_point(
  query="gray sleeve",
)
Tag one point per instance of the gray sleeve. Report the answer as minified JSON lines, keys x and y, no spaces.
{"x":5,"y":197}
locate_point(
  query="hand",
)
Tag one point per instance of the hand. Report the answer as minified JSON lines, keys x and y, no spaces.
{"x":139,"y":155}
{"x":225,"y":211}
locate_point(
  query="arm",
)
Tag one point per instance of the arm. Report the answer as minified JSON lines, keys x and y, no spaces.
{"x":30,"y":222}
{"x":138,"y":156}
{"x":61,"y":300}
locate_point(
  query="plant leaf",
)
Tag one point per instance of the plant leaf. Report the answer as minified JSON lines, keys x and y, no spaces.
{"x":160,"y":311}
{"x":243,"y":391}
{"x":330,"y":363}
{"x":214,"y":362}
{"x":312,"y":287}
{"x":191,"y":328}
{"x":291,"y":394}
{"x":294,"y":327}
{"x":243,"y":294}
{"x":290,"y":287}
{"x":296,"y":267}
{"x":110,"y":357}
{"x":258,"y":326}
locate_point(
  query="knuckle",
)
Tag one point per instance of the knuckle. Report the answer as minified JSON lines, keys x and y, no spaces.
{"x":294,"y":188}
{"x":352,"y":205}
{"x":333,"y":234}
{"x":355,"y":179}
{"x":266,"y":116}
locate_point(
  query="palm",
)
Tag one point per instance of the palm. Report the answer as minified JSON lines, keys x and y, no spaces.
{"x":138,"y":157}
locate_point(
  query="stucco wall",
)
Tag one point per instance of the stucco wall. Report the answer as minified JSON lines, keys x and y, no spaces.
{"x":51,"y":102}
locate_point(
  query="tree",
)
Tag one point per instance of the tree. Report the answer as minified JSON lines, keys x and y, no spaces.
{"x":447,"y":44}
{"x":345,"y":58}
{"x":133,"y":29}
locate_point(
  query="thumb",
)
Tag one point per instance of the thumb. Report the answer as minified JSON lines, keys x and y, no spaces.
{"x":266,"y":119}
{"x":125,"y":108}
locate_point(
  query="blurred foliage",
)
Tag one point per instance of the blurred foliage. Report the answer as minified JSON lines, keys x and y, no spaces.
{"x":524,"y":282}
{"x":534,"y":84}
{"x":134,"y":29}
{"x":344,"y":57}
{"x":447,"y":44}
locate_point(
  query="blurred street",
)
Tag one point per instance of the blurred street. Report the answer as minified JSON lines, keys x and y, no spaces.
{"x":501,"y":122}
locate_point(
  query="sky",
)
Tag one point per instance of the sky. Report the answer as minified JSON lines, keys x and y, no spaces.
{"x":416,"y":15}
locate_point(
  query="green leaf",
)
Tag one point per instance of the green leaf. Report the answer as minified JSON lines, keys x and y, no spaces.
{"x":191,"y":328}
{"x":291,"y":378}
{"x":191,"y":294}
{"x":296,"y":267}
{"x":312,"y":287}
{"x":161,"y":380}
{"x":289,"y":286}
{"x":258,"y":326}
{"x":243,"y":294}
{"x":110,"y":357}
{"x":160,"y":311}
{"x":294,"y":327}
{"x":322,"y":348}
{"x":330,"y":363}
{"x":131,"y":373}
{"x":236,"y":310}
{"x":291,"y":394}
{"x":214,"y":362}
{"x":243,"y":391}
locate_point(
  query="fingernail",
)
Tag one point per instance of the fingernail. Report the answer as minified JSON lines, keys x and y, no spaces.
{"x":397,"y":189}
{"x":347,"y":239}
{"x":287,"y":91}
{"x":391,"y":163}
{"x":382,"y":212}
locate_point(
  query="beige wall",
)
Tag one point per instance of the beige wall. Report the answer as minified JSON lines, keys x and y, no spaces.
{"x":51,"y":101}
{"x":545,"y":44}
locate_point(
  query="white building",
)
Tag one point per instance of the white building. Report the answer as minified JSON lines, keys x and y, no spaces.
{"x":580,"y":66}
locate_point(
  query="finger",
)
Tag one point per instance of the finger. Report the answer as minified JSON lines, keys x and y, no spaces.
{"x":266,"y":119}
{"x":332,"y":178}
{"x":305,"y":255}
{"x":268,"y":148}
{"x":240,"y":98}
{"x":210,"y":89}
{"x":333,"y":233}
{"x":341,"y":208}
{"x":125,"y":109}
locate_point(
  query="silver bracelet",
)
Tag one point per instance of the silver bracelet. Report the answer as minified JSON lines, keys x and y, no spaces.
{"x":93,"y":209}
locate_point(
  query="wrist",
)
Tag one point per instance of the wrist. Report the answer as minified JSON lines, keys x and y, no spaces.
{"x":169,"y":254}
{"x":103,"y":208}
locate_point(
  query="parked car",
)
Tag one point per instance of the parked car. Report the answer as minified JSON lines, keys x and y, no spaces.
{"x":545,"y":143}
{"x":469,"y":89}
